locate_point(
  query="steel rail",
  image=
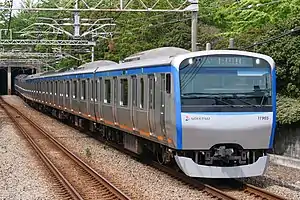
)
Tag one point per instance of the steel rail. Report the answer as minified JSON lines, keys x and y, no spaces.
{"x":208,"y":189}
{"x":66,"y":184}
{"x":114,"y":190}
{"x":261,"y":192}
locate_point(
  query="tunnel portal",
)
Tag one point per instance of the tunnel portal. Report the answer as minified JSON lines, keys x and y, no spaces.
{"x":5,"y":88}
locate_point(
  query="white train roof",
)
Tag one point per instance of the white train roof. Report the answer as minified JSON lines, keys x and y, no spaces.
{"x":158,"y":52}
{"x":154,"y":57}
{"x":178,"y":59}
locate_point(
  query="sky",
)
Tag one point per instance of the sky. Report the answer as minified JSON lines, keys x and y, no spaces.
{"x":16,"y":3}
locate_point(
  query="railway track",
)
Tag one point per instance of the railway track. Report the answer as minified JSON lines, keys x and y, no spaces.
{"x":244,"y":191}
{"x":76,"y":179}
{"x":208,"y":189}
{"x":235,"y":187}
{"x":211,"y":190}
{"x":260,"y":193}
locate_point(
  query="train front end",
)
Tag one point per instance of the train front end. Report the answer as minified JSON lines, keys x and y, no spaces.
{"x":227,"y":106}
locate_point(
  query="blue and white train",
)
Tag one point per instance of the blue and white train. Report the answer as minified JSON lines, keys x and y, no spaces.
{"x":212,"y":112}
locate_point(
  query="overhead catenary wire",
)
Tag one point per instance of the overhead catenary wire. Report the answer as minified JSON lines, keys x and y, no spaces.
{"x":294,"y":30}
{"x":10,"y":15}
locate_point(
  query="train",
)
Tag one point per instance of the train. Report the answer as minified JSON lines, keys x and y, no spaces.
{"x":211,"y":113}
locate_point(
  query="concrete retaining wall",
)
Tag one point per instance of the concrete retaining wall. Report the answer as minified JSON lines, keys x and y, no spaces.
{"x":287,"y":142}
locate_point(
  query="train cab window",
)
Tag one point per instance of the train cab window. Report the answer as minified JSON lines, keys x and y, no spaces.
{"x":74,"y":89}
{"x":168,"y":83}
{"x":107,"y":95}
{"x":83,"y":89}
{"x":124,"y":92}
{"x":67,"y":88}
{"x":142,"y":85}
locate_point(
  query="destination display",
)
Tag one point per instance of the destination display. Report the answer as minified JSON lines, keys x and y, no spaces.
{"x":233,"y":61}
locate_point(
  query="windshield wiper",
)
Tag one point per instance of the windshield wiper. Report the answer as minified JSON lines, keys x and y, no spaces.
{"x":216,"y":97}
{"x":246,"y":102}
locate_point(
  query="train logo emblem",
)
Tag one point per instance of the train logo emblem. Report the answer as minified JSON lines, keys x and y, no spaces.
{"x":187,"y":118}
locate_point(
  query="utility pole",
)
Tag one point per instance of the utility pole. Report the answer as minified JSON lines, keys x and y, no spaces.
{"x":76,"y":21}
{"x":208,"y":46}
{"x":194,"y":29}
{"x":231,"y":43}
{"x":93,"y":51}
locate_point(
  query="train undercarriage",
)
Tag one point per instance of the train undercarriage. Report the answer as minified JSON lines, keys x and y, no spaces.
{"x":221,"y":155}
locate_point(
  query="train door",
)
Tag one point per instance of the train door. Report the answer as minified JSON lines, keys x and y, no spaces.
{"x":100,"y":95}
{"x":88,"y":97}
{"x":42,"y":90}
{"x":75,"y":95}
{"x":161,"y":112}
{"x":151,"y":107}
{"x":61,"y":91}
{"x":115,"y":98}
{"x":92,"y":99}
{"x":83,"y":97}
{"x":134,"y":101}
{"x":56,"y":94}
{"x":67,"y":95}
{"x":47,"y":92}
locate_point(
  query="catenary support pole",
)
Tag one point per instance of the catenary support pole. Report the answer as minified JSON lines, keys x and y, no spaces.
{"x":194,"y":30}
{"x":231,"y":43}
{"x":9,"y":80}
{"x":208,"y":46}
{"x":76,"y":21}
{"x":93,"y":53}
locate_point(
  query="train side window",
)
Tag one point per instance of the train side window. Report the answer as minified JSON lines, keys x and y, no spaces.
{"x":134,"y":91}
{"x":151,"y":79}
{"x":168,"y":83}
{"x":61,"y":88}
{"x":56,"y":88}
{"x":74,"y":89}
{"x":92,"y":90}
{"x":87,"y":89}
{"x":98,"y":90}
{"x":47,"y":87}
{"x":107,"y":95}
{"x":41,"y":86}
{"x":44,"y":87}
{"x":51,"y":88}
{"x":142,"y":85}
{"x":124,"y":92}
{"x":67,"y":88}
{"x":83,"y":90}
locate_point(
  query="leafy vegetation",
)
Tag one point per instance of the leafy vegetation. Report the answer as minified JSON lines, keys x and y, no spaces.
{"x":288,"y":110}
{"x":248,"y":21}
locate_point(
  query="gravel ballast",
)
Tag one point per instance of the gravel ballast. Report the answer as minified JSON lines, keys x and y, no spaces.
{"x":22,"y":174}
{"x":138,"y":180}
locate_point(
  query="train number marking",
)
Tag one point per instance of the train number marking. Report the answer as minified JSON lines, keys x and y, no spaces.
{"x":263,"y":118}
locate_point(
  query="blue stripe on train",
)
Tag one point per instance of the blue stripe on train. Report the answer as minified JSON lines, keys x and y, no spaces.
{"x":136,"y":71}
{"x":274,"y":108}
